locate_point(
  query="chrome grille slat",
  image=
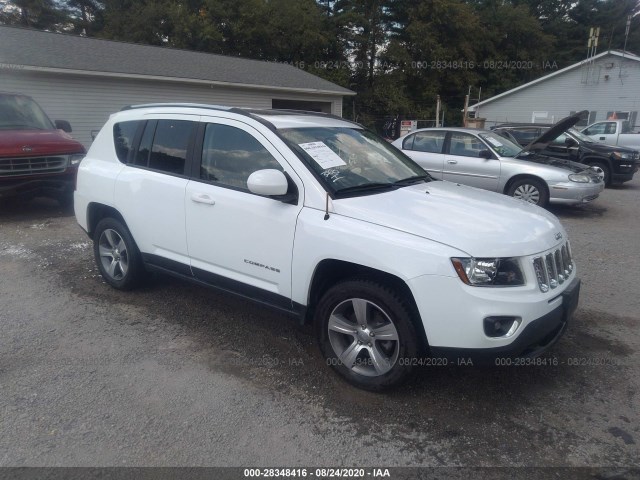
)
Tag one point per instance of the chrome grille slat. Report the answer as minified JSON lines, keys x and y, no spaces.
{"x":554,"y":267}
{"x":32,"y":165}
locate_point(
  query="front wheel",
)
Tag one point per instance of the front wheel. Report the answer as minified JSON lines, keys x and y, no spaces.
{"x":366,"y":334}
{"x":530,"y":190}
{"x":602,"y":170}
{"x":117,"y":255}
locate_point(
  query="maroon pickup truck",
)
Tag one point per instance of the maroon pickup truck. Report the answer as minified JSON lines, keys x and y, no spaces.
{"x":37,"y":157}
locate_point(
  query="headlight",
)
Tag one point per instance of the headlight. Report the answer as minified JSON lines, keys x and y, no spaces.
{"x":75,"y":159}
{"x":621,"y":155}
{"x":579,"y":177}
{"x":489,"y":272}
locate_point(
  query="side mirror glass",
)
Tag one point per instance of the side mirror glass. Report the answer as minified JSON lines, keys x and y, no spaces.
{"x":570,"y":142}
{"x":63,"y":125}
{"x":268,"y":182}
{"x":486,"y":154}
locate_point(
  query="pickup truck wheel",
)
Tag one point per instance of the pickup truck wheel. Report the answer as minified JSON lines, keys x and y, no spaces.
{"x":366,"y":334}
{"x":116,"y":255}
{"x":603,"y":171}
{"x":530,"y":190}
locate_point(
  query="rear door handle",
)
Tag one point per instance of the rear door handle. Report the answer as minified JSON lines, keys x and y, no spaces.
{"x":602,"y":138}
{"x":452,"y":162}
{"x":203,"y":198}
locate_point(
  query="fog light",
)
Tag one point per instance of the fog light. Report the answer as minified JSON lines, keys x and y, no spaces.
{"x":501,"y":326}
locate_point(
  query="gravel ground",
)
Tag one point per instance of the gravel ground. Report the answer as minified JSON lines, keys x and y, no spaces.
{"x":177,"y":375}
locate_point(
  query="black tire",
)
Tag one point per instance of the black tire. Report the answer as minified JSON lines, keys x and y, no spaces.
{"x":382,"y":306}
{"x":605,"y":170}
{"x":530,"y":190}
{"x":127,"y":268}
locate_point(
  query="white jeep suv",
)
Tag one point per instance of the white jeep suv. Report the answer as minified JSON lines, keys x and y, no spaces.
{"x":318,"y":217}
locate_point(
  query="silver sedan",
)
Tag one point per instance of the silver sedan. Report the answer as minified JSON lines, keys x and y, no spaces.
{"x":483,"y":159}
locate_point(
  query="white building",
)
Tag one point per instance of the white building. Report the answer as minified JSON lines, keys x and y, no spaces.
{"x":84,"y":80}
{"x":609,"y":83}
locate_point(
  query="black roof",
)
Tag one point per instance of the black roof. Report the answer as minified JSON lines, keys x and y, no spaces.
{"x":23,"y":46}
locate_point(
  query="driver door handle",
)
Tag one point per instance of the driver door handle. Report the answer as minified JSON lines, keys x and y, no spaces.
{"x":202,"y":198}
{"x":452,"y":162}
{"x":602,"y":138}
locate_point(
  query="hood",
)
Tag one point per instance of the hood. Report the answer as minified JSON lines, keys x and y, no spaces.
{"x":29,"y":143}
{"x":568,"y":165}
{"x":605,"y":149}
{"x":547,"y":137}
{"x":478,"y":222}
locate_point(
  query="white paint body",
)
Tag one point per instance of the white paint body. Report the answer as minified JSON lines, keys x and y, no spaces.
{"x":411,"y":232}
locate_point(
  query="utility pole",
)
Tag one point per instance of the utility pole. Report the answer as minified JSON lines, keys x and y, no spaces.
{"x":466,"y":108}
{"x":437,"y":110}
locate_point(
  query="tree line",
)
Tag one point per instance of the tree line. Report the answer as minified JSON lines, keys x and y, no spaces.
{"x":396,"y":54}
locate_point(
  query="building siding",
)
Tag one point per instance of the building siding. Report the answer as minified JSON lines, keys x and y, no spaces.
{"x":565,"y":93}
{"x":87,"y":101}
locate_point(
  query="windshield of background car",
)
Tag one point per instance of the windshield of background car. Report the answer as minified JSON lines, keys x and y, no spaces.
{"x":501,"y":145}
{"x":579,"y":135}
{"x":349,"y":158}
{"x":17,"y":113}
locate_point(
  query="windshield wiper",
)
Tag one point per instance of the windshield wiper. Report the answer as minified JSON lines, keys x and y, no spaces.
{"x":365,"y":187}
{"x":414,"y":179}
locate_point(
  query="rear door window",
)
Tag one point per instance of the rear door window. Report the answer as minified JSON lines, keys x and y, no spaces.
{"x":170,"y":144}
{"x":430,"y":142}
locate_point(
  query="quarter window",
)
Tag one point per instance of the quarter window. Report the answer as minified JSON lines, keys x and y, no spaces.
{"x":230,"y":155}
{"x":123,"y":134}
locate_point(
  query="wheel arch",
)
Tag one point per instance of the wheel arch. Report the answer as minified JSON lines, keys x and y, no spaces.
{"x":330,"y":271}
{"x":524,"y":176}
{"x":98,"y":211}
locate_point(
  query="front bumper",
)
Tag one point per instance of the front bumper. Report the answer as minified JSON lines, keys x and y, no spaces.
{"x":571,"y":193}
{"x":535,"y":338}
{"x":47,"y":185}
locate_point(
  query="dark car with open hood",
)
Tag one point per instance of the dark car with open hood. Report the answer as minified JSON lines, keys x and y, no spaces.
{"x":617,"y":164}
{"x":37,"y":156}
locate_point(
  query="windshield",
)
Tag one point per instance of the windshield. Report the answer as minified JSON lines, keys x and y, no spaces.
{"x":351,"y":159}
{"x":502,"y":146}
{"x":18,"y":113}
{"x":580,"y":136}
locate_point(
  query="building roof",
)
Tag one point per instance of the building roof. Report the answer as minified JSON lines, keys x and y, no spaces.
{"x":627,"y":55}
{"x":63,"y":53}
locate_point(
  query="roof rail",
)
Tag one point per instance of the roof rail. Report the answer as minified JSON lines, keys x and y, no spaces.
{"x":183,"y":105}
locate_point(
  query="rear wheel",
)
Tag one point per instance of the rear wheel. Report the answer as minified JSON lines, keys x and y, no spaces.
{"x":117,"y":255}
{"x":366,"y":334}
{"x":530,"y":190}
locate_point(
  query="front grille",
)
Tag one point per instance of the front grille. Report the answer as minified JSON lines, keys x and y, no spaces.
{"x":553,"y":268}
{"x":32,"y":165}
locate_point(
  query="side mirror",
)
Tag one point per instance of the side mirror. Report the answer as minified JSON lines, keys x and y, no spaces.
{"x":486,"y":154}
{"x":570,"y":142}
{"x":63,"y":125}
{"x":268,"y":182}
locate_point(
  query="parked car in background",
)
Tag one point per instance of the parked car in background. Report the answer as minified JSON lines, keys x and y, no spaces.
{"x":37,"y":157}
{"x":318,"y":217}
{"x":613,"y":132}
{"x":484,"y":159}
{"x":617,"y":164}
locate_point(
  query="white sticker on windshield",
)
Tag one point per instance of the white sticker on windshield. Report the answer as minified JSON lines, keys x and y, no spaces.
{"x":493,"y":141}
{"x":322,"y":154}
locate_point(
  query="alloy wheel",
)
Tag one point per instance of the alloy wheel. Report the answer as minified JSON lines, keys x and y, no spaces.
{"x":113,"y":254}
{"x":363,"y":337}
{"x":528,"y":193}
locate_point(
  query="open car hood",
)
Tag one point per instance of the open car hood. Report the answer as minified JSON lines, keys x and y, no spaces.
{"x":547,"y":137}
